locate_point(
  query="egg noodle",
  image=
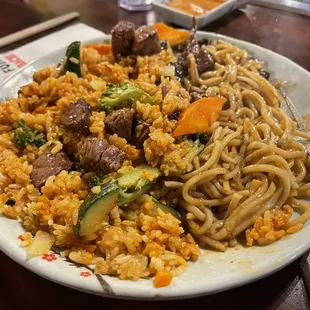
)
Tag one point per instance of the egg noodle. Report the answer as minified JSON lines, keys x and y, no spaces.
{"x":253,"y":161}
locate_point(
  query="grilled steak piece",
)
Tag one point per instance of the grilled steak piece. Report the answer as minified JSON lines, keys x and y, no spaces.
{"x":122,"y":39}
{"x":120,"y":122}
{"x":77,"y":117}
{"x":47,"y":165}
{"x":97,"y":154}
{"x":146,"y":41}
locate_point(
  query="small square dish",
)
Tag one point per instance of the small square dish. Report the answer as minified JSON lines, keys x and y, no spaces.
{"x":181,"y":18}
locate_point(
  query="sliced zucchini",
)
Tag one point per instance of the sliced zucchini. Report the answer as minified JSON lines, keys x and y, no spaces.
{"x":159,"y":205}
{"x":126,"y":198}
{"x":139,"y":177}
{"x":120,"y":191}
{"x":95,"y":209}
{"x":73,"y":61}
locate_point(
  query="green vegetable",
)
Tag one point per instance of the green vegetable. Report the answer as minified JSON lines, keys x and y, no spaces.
{"x":118,"y":191}
{"x":73,"y":61}
{"x":138,"y":177}
{"x":195,"y":150}
{"x":25,"y":135}
{"x":107,"y":41}
{"x":94,"y":181}
{"x":159,"y":205}
{"x":95,"y":209}
{"x":135,"y":183}
{"x":164,"y":45}
{"x":202,"y":137}
{"x":122,"y":95}
{"x":180,"y":47}
{"x":125,"y":198}
{"x":199,"y":137}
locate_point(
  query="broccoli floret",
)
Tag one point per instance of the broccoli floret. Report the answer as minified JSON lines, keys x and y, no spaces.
{"x":164,"y":45}
{"x":122,"y":95}
{"x":95,"y":181}
{"x":25,"y":135}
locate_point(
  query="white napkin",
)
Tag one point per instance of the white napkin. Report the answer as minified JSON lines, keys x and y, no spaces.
{"x":18,"y":58}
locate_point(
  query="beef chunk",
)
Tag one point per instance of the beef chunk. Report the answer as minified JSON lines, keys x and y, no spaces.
{"x":197,"y":93}
{"x":120,"y":122}
{"x":77,"y":117}
{"x":192,"y":44}
{"x":146,"y":41}
{"x":97,"y":154}
{"x":142,"y":131}
{"x":112,"y":158}
{"x":122,"y":38}
{"x":47,"y":165}
{"x":204,"y":59}
{"x":90,"y":152}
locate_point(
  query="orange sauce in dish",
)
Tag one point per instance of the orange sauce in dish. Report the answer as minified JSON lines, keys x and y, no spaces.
{"x":195,"y":7}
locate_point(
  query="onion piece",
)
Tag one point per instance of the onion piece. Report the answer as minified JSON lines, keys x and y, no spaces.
{"x":97,"y":85}
{"x":41,"y":243}
{"x":168,"y":71}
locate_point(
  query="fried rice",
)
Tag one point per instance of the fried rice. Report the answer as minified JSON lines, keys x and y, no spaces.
{"x":136,"y":243}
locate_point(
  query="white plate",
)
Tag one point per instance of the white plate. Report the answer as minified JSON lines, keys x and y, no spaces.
{"x":214,"y":271}
{"x":183,"y":19}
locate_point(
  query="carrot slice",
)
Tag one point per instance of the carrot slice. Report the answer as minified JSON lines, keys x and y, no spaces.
{"x":102,"y":49}
{"x":171,"y":35}
{"x":163,"y":278}
{"x":199,"y":116}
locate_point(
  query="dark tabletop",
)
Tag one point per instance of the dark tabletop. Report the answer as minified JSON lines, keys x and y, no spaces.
{"x":283,"y":32}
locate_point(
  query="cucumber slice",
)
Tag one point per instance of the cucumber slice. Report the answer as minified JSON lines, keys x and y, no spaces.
{"x":95,"y":209}
{"x":73,"y":55}
{"x":159,"y":205}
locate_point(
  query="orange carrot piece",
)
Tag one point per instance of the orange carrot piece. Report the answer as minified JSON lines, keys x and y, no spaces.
{"x":171,"y":35}
{"x":163,"y":278}
{"x":199,"y":116}
{"x":102,"y":49}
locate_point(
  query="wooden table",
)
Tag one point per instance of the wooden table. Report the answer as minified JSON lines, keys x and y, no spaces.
{"x":282,"y":32}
